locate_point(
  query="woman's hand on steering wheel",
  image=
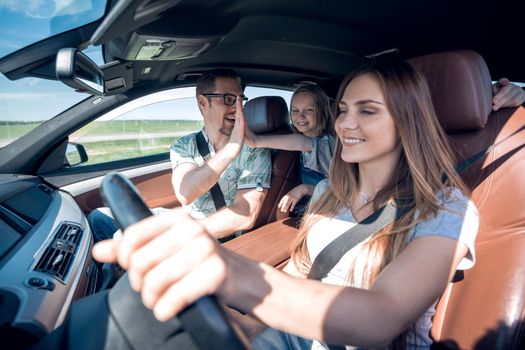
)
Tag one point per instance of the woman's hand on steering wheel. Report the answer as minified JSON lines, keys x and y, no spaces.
{"x":171,"y":261}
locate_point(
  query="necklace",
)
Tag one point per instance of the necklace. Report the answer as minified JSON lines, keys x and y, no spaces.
{"x":366,"y":198}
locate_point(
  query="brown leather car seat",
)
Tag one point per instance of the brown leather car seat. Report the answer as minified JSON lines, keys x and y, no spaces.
{"x":485,"y":307}
{"x":269,"y":115}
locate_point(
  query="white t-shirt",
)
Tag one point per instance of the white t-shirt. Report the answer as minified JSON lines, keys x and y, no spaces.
{"x":458,"y":220}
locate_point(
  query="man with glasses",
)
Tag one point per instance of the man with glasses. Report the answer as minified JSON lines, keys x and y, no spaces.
{"x":241,"y":173}
{"x":238,"y":174}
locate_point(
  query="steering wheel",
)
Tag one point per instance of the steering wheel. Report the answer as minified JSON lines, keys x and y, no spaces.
{"x":205,"y":321}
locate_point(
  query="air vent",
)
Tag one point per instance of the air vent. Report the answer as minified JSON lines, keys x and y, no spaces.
{"x":59,"y":255}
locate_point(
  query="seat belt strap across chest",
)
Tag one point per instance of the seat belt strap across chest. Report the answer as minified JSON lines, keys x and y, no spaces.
{"x":333,"y":252}
{"x":215,"y":190}
{"x":379,"y":219}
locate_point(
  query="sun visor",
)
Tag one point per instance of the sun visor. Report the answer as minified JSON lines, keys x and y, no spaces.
{"x":146,"y":47}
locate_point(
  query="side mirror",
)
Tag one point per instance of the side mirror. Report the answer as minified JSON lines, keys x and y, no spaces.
{"x":78,"y":71}
{"x":75,"y":154}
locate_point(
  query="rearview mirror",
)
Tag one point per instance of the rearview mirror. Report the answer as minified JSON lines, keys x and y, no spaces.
{"x":78,"y":71}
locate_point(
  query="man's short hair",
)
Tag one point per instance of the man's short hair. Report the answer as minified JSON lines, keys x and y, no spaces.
{"x":206,"y":83}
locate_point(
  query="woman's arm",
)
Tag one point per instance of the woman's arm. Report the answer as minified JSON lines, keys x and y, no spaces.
{"x":172,"y":261}
{"x":344,"y":315}
{"x":291,"y":269}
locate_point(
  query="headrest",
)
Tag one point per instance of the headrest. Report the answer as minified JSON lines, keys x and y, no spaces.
{"x":460,"y":86}
{"x":266,"y":113}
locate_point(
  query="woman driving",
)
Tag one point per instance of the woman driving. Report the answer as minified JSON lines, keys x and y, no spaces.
{"x":390,"y":150}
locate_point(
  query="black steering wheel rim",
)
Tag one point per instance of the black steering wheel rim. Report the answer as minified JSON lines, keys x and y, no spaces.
{"x":205,"y":320}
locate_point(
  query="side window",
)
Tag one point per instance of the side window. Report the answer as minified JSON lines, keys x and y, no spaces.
{"x":146,"y":126}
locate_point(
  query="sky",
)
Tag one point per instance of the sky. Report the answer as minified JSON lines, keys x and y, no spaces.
{"x":23,"y":22}
{"x":179,"y":104}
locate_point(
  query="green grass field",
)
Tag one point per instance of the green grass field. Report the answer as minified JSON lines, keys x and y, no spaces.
{"x":106,"y":141}
{"x":116,"y":127}
{"x":106,"y":151}
{"x":12,"y":130}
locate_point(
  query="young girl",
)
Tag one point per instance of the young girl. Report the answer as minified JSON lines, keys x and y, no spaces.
{"x":314,"y":137}
{"x":390,"y":149}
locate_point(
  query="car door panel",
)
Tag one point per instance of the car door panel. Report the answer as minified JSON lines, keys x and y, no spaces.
{"x":153,"y":182}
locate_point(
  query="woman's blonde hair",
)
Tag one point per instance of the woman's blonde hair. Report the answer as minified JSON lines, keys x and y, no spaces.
{"x":425,"y":168}
{"x":324,"y":121}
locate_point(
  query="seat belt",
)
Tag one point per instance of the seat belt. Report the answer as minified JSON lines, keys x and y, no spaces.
{"x":215,"y":190}
{"x":467,"y":163}
{"x":333,"y":252}
{"x":379,"y":219}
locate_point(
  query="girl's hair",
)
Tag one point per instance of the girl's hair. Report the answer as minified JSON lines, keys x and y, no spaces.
{"x":425,"y":168}
{"x":325,"y":123}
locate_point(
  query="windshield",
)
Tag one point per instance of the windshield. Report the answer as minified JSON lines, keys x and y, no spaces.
{"x":27,"y":103}
{"x":24,"y":22}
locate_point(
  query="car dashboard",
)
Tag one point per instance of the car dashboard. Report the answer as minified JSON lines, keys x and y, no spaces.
{"x":45,"y":259}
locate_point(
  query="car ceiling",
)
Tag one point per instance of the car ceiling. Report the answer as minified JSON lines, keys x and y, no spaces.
{"x":279,"y":43}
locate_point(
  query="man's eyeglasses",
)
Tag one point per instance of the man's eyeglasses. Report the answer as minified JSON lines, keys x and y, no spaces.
{"x":229,"y":99}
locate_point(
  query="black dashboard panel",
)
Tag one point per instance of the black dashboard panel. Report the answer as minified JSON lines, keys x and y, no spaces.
{"x":9,"y":236}
{"x":31,"y":203}
{"x":23,"y":202}
{"x":45,"y":259}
